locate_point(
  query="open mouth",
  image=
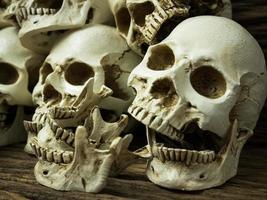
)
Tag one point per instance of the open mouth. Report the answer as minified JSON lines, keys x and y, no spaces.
{"x":188,"y":145}
{"x":7,"y":116}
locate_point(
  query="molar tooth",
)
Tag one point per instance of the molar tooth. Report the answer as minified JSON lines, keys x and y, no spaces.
{"x":66,"y":157}
{"x":58,"y":157}
{"x":188,"y":157}
{"x":59,"y":133}
{"x":177,"y":155}
{"x":166,"y":153}
{"x":46,"y":11}
{"x":183,"y":154}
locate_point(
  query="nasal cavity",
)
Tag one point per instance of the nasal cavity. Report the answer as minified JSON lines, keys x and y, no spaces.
{"x":164,"y":89}
{"x":51,"y":94}
{"x":140,"y":11}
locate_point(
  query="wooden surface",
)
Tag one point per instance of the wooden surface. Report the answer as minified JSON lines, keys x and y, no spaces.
{"x":16,"y":168}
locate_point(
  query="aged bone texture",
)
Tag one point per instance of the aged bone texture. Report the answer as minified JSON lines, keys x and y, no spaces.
{"x":18,"y":75}
{"x":146,"y":22}
{"x":200,"y":94}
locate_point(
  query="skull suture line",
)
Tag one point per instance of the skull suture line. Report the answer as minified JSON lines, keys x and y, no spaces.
{"x":146,"y":22}
{"x":44,"y":21}
{"x":17,"y":78}
{"x":200,"y":93}
{"x":88,"y":67}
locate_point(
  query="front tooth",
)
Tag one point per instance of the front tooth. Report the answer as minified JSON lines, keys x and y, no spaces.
{"x":166,"y":153}
{"x":172,"y":154}
{"x":136,"y":111}
{"x":59,"y":133}
{"x":142,"y":114}
{"x":49,"y":156}
{"x":40,"y":11}
{"x":183,"y":155}
{"x":188,"y":157}
{"x":194,"y":156}
{"x":33,"y":11}
{"x":177,"y":155}
{"x":161,"y":154}
{"x":65,"y":135}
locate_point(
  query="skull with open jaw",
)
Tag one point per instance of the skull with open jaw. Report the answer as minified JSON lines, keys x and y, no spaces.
{"x":146,"y":22}
{"x":71,"y":84}
{"x":44,"y":21}
{"x":195,"y":91}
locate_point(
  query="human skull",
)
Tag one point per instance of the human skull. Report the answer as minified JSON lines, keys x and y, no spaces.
{"x":17,"y":77}
{"x":146,"y":22}
{"x":71,"y":84}
{"x":200,"y":93}
{"x":43,"y":22}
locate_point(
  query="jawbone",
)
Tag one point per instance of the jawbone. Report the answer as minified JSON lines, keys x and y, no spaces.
{"x":197,"y":174}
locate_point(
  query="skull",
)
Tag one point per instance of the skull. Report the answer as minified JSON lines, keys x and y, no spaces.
{"x":18,"y":74}
{"x":71,"y":84}
{"x":200,"y":94}
{"x":146,"y":22}
{"x":44,"y":21}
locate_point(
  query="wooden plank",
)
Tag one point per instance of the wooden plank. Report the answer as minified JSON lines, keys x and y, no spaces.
{"x":16,"y":167}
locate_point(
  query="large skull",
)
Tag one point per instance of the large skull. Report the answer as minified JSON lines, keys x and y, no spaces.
{"x":43,"y":21}
{"x":147,"y":22}
{"x":200,"y":93}
{"x":88,"y":67}
{"x":18,"y":74}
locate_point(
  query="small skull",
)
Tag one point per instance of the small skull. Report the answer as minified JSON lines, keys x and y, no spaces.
{"x":147,"y":22}
{"x":44,"y":21}
{"x":18,"y":74}
{"x":200,"y":94}
{"x":71,"y":84}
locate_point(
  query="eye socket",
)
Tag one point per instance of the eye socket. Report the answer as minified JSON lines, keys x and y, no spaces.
{"x":123,"y":20}
{"x":208,"y":82}
{"x":46,"y":69}
{"x":140,"y":11}
{"x":161,"y":58}
{"x":8,"y":74}
{"x":78,"y":73}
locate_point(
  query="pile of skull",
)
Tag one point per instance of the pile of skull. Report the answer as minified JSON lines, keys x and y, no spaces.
{"x":198,"y":84}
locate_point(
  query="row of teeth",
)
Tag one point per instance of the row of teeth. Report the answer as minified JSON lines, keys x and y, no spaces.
{"x":57,"y":157}
{"x":182,"y":155}
{"x":62,"y":112}
{"x":156,"y":19}
{"x":61,"y":134}
{"x":32,"y":127}
{"x":23,"y":12}
{"x":41,"y":118}
{"x":155,"y":122}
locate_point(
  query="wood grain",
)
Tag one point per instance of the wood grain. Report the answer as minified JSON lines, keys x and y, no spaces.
{"x":16,"y":167}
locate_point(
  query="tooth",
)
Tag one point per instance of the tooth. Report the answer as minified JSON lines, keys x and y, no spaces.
{"x":54,"y":127}
{"x":172,"y":154}
{"x":166,"y":153}
{"x":70,"y":138}
{"x":49,"y":156}
{"x":188,"y":157}
{"x":161,"y":154}
{"x":147,"y":120}
{"x":53,"y":11}
{"x":59,"y":133}
{"x":34,"y":149}
{"x":213,"y":156}
{"x":65,"y":135}
{"x":66,"y":157}
{"x":156,"y":123}
{"x":39,"y":154}
{"x":200,"y":158}
{"x":46,"y":10}
{"x":33,"y":11}
{"x":43,"y":153}
{"x":28,"y":11}
{"x":40,"y":11}
{"x":183,"y":155}
{"x":142,"y":115}
{"x":194,"y":157}
{"x":130,"y":110}
{"x":136,"y":111}
{"x":205,"y":158}
{"x":24,"y":13}
{"x":57,"y":157}
{"x":177,"y":155}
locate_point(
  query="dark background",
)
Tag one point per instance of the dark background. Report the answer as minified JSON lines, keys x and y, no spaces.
{"x":16,"y":167}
